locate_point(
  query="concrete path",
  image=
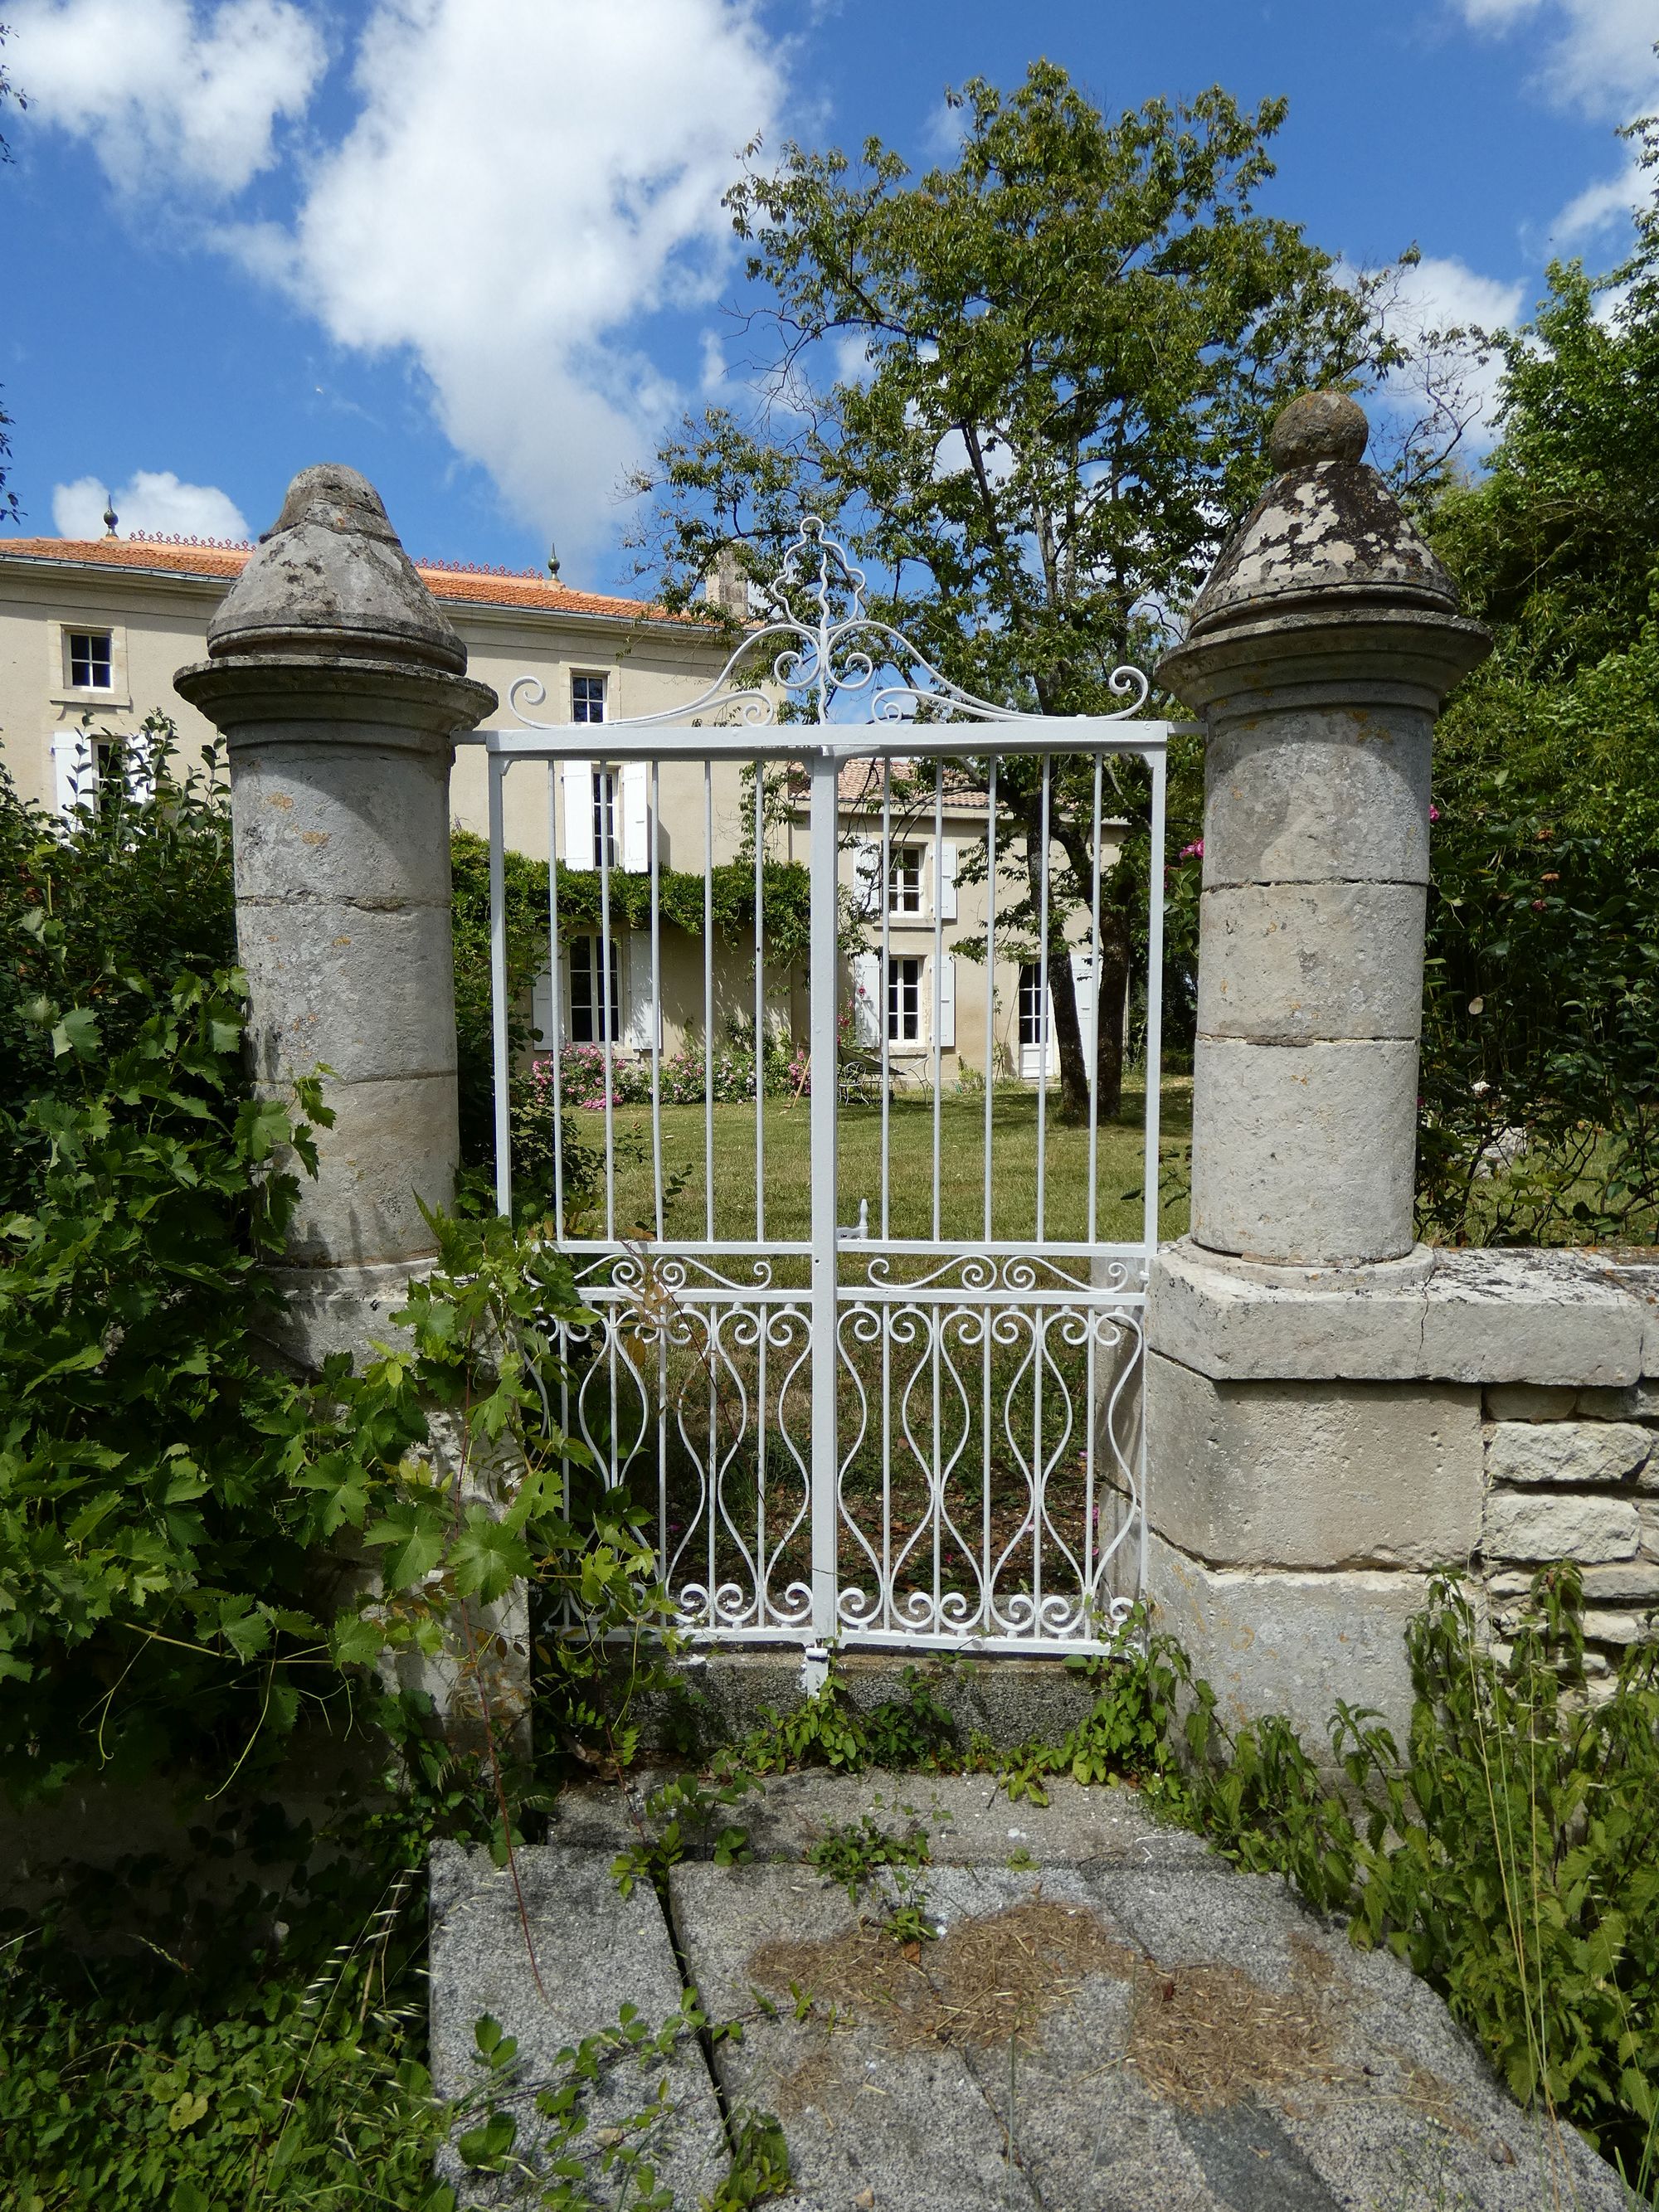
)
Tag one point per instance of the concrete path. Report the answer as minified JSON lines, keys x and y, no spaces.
{"x":1107,"y":2018}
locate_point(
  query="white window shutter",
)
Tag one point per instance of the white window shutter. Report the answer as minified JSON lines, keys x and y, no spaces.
{"x":638,"y":1011}
{"x":866,"y":878}
{"x":866,"y":998}
{"x":73,"y":779}
{"x":138,"y":768}
{"x":946,"y":865}
{"x":1083,"y":986}
{"x":947,"y":1002}
{"x":541,"y":1013}
{"x":577,"y":777}
{"x":637,"y":817}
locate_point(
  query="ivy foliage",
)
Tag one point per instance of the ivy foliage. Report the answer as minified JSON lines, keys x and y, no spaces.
{"x":172,"y":1503}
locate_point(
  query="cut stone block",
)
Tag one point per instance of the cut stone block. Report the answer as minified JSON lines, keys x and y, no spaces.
{"x":1566,"y":1451}
{"x":1533,"y":1525}
{"x":1302,"y":1154}
{"x":1534,"y":1401}
{"x":1291,"y":962}
{"x":595,"y":1951}
{"x":1289,"y":1643}
{"x":1632,"y":1401}
{"x":1335,"y":794}
{"x":1313,"y":1474}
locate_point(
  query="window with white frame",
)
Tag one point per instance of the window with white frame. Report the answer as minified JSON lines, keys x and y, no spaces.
{"x":588,"y":698}
{"x":89,"y":659}
{"x":904,"y":1001}
{"x":904,"y":879}
{"x":595,"y":992}
{"x":1033,"y":1028}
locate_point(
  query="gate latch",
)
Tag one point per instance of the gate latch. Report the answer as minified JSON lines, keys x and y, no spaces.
{"x":855,"y":1232}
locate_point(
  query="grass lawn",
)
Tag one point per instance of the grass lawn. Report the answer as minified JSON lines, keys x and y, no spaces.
{"x":962,"y":1168}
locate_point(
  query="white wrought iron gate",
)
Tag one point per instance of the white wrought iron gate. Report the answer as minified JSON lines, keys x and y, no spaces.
{"x":868,"y":1338}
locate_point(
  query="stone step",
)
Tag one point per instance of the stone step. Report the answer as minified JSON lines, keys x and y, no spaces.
{"x":1106,"y":2017}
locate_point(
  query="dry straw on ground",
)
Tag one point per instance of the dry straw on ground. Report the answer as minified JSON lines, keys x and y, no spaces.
{"x":1200,"y":2036}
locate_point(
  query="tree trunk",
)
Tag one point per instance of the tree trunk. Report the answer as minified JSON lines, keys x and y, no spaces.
{"x":1068,"y":1035}
{"x":1111,"y":991}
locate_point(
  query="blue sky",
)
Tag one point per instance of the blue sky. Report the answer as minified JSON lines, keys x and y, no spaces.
{"x":475,"y":246}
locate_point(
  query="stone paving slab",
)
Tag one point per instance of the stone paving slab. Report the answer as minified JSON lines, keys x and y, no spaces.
{"x":595,"y":1951}
{"x":1191,"y":2040}
{"x":970,"y":1820}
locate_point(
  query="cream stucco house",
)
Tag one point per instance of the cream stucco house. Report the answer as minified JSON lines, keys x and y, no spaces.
{"x":91,"y":631}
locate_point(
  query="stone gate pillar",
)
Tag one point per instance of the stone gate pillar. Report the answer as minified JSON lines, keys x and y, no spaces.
{"x":1319,"y":653}
{"x":1303,"y":1467}
{"x":339,"y":685}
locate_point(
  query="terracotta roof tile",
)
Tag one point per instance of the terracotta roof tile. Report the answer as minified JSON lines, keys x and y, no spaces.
{"x":474,"y":586}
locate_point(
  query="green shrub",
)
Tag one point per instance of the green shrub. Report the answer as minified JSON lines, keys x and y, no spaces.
{"x":1511,"y":1854}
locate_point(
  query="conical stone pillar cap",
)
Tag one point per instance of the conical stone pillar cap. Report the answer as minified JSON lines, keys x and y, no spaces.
{"x":331,"y":576}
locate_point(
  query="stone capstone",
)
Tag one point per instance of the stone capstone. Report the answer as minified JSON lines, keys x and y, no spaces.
{"x":331,"y":573}
{"x":1560,"y":1323}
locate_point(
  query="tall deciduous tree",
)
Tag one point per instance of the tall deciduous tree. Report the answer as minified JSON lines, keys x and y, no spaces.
{"x":1032,"y":388}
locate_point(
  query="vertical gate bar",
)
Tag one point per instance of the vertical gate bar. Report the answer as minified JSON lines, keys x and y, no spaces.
{"x":709,"y":994}
{"x":825,"y":1261}
{"x":760,"y":1003}
{"x":938,"y":996}
{"x":1045,"y":1022}
{"x":554,"y":995}
{"x":656,"y":998}
{"x":1154,"y":1015}
{"x":500,"y":1060}
{"x":884,"y":1017}
{"x":663,"y":1540}
{"x":1093,"y":1229}
{"x":991,"y":983}
{"x":885,"y":989}
{"x":603,"y":786}
{"x":987,"y":1324}
{"x":1090,"y":1544}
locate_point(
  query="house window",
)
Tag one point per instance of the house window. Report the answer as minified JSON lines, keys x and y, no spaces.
{"x":1032,"y":1026}
{"x":904,"y":880}
{"x":904,"y":1001}
{"x":588,"y":698}
{"x":91,"y":661}
{"x":604,"y":817}
{"x":592,"y":1000}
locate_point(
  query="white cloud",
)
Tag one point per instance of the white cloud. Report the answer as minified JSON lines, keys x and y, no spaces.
{"x":164,"y":92}
{"x":1601,"y":55}
{"x":151,"y":503}
{"x":521,"y":183}
{"x":1450,"y":378}
{"x":1598,"y":206}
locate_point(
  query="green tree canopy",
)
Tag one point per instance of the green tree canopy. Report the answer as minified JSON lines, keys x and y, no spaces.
{"x":1543,"y":1016}
{"x":1031,"y":388}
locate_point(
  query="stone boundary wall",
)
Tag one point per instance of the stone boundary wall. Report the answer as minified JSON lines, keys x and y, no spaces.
{"x":1318,"y":1443}
{"x":1574,"y":1474}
